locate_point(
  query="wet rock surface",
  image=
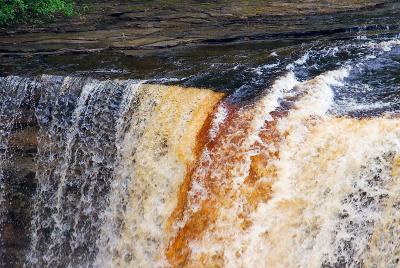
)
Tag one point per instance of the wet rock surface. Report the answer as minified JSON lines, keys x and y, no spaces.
{"x":147,"y":25}
{"x":19,"y":188}
{"x":112,"y":31}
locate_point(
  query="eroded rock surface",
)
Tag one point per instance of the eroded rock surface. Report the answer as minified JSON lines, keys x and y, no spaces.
{"x":138,"y":25}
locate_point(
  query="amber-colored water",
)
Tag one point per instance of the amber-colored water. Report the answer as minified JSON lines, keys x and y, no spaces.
{"x":301,"y":172}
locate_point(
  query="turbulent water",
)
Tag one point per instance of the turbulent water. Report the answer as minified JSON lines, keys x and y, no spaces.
{"x":303,"y":173}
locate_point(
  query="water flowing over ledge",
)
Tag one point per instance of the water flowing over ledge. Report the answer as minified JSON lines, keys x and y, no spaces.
{"x":129,"y":174}
{"x":99,"y":146}
{"x":134,"y":174}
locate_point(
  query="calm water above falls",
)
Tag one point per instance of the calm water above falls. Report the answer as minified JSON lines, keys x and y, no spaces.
{"x":294,"y":163}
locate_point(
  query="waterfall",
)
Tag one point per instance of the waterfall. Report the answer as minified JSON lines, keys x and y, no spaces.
{"x":14,"y":91}
{"x":300,"y":187}
{"x":76,"y":168}
{"x":89,"y":135}
{"x":155,"y":152}
{"x":132,"y":174}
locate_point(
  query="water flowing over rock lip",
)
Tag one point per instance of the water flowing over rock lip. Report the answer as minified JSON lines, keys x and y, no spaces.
{"x":200,"y":163}
{"x":41,"y":113}
{"x":249,"y":169}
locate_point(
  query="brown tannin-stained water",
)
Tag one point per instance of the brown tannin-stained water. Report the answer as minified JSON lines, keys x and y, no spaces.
{"x":270,"y":154}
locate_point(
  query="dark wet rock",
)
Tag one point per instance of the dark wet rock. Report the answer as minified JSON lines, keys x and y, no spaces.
{"x":20,"y":185}
{"x":127,"y":28}
{"x":24,"y":140}
{"x":138,"y":25}
{"x":19,"y":170}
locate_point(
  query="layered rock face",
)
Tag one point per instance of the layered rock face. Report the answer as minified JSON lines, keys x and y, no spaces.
{"x":128,"y":26}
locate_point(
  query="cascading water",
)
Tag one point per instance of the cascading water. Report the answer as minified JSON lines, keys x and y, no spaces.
{"x":82,"y":124}
{"x":13,"y":93}
{"x":76,"y":169}
{"x":129,"y":174}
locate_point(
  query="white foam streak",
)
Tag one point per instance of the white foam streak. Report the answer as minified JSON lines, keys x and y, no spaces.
{"x":303,"y":59}
{"x":385,"y":46}
{"x":251,"y":247}
{"x":219,"y":118}
{"x":325,"y":168}
{"x":119,"y":187}
{"x":262,"y":113}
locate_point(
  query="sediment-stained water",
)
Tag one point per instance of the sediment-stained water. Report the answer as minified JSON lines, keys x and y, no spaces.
{"x":302,"y":172}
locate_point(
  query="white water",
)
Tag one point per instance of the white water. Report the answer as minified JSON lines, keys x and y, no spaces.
{"x":283,"y":181}
{"x":76,"y":169}
{"x":13,"y":92}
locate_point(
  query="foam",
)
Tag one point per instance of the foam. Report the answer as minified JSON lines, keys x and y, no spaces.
{"x":292,"y":212}
{"x":155,"y":151}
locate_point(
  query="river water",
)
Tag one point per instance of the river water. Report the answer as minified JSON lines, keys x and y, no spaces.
{"x":279,"y":153}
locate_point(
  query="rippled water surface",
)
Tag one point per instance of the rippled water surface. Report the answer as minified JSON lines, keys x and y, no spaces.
{"x":291,"y":158}
{"x":244,"y":69}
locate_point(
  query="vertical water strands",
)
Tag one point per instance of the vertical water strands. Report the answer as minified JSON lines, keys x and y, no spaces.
{"x":283,"y":183}
{"x":112,"y":216}
{"x":155,"y":153}
{"x":90,"y":137}
{"x":15,"y":92}
{"x":76,"y":158}
{"x":215,"y":186}
{"x":136,"y":175}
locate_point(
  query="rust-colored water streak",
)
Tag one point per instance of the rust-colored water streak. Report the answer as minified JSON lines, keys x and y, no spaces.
{"x":219,"y":162}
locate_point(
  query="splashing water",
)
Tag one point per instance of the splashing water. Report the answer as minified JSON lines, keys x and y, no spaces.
{"x":76,"y":158}
{"x":13,"y":92}
{"x":131,"y":174}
